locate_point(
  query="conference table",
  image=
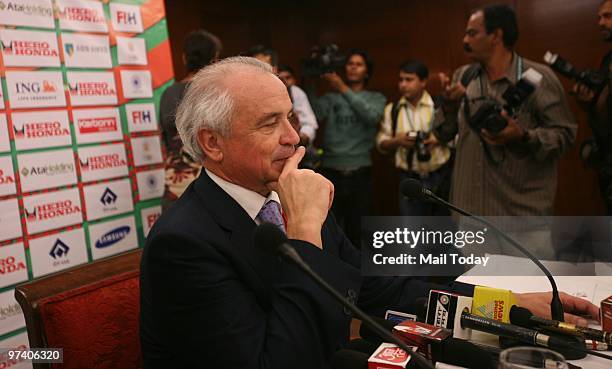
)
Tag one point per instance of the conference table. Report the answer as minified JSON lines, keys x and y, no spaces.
{"x":593,"y":288}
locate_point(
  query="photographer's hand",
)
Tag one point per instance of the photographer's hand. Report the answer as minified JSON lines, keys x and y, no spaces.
{"x":512,"y":133}
{"x":582,"y":93}
{"x":452,"y":93}
{"x":335,"y":81}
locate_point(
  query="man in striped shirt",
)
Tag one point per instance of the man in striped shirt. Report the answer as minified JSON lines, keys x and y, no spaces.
{"x":398,"y":132}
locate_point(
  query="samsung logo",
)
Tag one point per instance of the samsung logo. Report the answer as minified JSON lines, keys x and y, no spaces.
{"x":112,"y":237}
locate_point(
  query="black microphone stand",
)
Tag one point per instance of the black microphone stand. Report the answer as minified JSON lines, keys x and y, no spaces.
{"x":556,"y":306}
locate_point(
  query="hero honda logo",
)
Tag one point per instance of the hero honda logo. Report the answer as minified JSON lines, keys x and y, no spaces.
{"x":41,"y":130}
{"x":91,"y":89}
{"x":100,"y":162}
{"x":36,"y":10}
{"x":6,"y":178}
{"x":108,"y":197}
{"x":112,"y":237}
{"x":85,"y":15}
{"x":59,"y":250}
{"x":28,"y":48}
{"x":9,"y":265}
{"x":52,"y":210}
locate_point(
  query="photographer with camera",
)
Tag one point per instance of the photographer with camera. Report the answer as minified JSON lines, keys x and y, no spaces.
{"x":511,"y":169}
{"x":405,"y":131}
{"x":351,"y":114}
{"x":512,"y":122}
{"x":597,"y":101}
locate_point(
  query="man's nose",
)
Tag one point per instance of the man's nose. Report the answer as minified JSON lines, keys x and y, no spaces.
{"x":289,"y":136}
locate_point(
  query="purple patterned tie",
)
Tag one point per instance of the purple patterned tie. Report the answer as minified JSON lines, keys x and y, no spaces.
{"x":271,"y":213}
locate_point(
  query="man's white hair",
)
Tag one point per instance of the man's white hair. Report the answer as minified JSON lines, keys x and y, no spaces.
{"x":207,"y":104}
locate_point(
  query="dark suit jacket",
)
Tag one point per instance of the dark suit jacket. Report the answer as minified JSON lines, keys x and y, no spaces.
{"x":211,"y":299}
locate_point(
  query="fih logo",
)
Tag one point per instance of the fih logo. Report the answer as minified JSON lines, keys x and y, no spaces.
{"x":108,"y":197}
{"x":69,"y":48}
{"x":128,"y":18}
{"x":112,"y":237}
{"x":59,"y":249}
{"x":141,"y":116}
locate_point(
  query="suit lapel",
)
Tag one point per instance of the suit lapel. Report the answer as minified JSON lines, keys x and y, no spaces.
{"x":258,"y":269}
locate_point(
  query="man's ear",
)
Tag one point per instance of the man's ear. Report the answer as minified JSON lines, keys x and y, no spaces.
{"x":498,"y":36}
{"x":209,"y":142}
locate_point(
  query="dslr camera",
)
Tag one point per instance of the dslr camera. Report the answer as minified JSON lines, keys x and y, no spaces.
{"x":488,"y":114}
{"x":593,"y":79}
{"x":322,"y":59}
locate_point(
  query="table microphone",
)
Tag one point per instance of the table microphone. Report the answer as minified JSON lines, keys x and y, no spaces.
{"x":414,"y":189}
{"x":270,"y":238}
{"x":525,"y":318}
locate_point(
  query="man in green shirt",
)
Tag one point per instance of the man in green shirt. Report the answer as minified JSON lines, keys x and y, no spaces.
{"x":351,"y":115}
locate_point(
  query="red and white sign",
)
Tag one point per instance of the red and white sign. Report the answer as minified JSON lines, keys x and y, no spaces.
{"x":146,"y":150}
{"x":97,"y":125}
{"x":41,"y":129}
{"x":32,"y":13}
{"x":126,"y":18}
{"x":7,"y":176}
{"x":103,"y":162}
{"x":35,"y":89}
{"x":10,"y":220}
{"x":11,"y":315}
{"x":47,"y":169}
{"x":13,"y":266}
{"x":141,"y":117}
{"x":81,"y":15}
{"x":18,"y":342}
{"x":150,"y":184}
{"x":388,"y":356}
{"x":29,"y":48}
{"x":149,"y":217}
{"x":106,"y":199}
{"x":92,"y":88}
{"x":58,"y":251}
{"x":5,"y":142}
{"x":52,"y":210}
{"x":131,"y":51}
{"x":113,"y":237}
{"x":136,"y":84}
{"x":86,"y":51}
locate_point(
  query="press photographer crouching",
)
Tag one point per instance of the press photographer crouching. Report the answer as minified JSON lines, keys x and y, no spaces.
{"x":405,"y":132}
{"x":512,"y":123}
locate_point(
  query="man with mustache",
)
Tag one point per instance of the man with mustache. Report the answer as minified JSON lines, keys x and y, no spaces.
{"x":209,"y":297}
{"x":514,"y":171}
{"x":598,"y":104}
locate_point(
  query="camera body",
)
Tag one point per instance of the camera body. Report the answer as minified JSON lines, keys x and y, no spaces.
{"x":489,"y":112}
{"x":323,"y":59}
{"x":593,"y":79}
{"x":420,"y":147}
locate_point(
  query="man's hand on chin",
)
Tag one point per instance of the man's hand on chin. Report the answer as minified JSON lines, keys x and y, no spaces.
{"x":306,"y":197}
{"x":539,"y":304}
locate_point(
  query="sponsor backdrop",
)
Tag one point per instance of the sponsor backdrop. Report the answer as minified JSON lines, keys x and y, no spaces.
{"x":81,"y":171}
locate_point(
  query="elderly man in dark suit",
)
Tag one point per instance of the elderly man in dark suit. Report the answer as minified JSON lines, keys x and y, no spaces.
{"x":209,"y":299}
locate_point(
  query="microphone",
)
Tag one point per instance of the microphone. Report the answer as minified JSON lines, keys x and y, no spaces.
{"x":414,"y":189}
{"x":525,"y":318}
{"x":269,"y":237}
{"x":565,"y":345}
